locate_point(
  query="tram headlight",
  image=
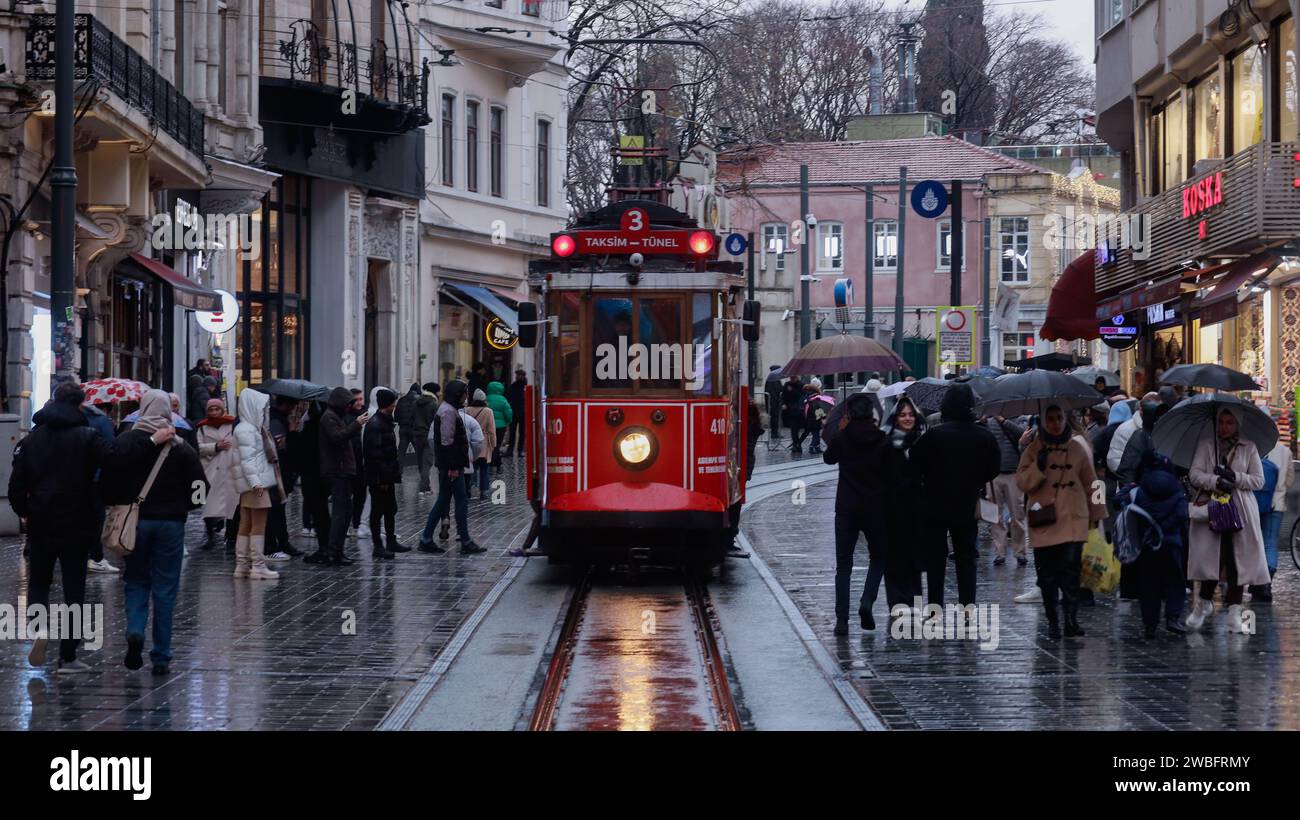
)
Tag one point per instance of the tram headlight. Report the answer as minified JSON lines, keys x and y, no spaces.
{"x":636,"y":448}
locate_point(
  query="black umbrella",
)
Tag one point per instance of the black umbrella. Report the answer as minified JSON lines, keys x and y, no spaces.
{"x":988,"y":371}
{"x":1033,"y":392}
{"x":294,"y":389}
{"x":1209,"y":375}
{"x":1050,"y":361}
{"x":1181,"y":430}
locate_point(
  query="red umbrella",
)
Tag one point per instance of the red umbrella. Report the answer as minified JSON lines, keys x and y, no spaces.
{"x":1071,"y":309}
{"x":111,"y":391}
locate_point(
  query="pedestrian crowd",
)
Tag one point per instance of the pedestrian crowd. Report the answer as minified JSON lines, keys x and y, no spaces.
{"x":132,"y":486}
{"x":917,"y":489}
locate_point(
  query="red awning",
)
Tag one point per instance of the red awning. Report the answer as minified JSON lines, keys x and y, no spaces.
{"x":187,"y":294}
{"x":1221,"y":303}
{"x":1139,"y":297}
{"x":1070,"y":307}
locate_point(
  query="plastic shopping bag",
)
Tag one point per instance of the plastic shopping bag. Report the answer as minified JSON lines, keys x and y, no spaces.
{"x":1100,"y":567}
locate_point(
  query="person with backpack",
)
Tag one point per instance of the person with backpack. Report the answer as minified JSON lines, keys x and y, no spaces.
{"x":1279,"y":474}
{"x":1152,"y":521}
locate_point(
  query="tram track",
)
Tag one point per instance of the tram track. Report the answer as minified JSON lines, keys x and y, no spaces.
{"x":639,"y":657}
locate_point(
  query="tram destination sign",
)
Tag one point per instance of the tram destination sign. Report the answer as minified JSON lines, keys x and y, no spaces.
{"x":598,"y":242}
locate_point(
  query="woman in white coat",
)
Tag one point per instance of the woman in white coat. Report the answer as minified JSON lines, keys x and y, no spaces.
{"x":217,"y":450}
{"x":255,"y":479}
{"x":1225,"y":463}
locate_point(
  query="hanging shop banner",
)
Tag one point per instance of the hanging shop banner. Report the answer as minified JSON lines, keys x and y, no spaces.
{"x":955,"y":334}
{"x":499,"y":334}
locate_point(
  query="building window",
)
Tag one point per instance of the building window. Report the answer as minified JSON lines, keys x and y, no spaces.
{"x":944,"y":246}
{"x":543,"y":163}
{"x":221,"y":70}
{"x":1168,"y":143}
{"x":532,"y":8}
{"x":1289,"y":104}
{"x":448,"y":137}
{"x":496,"y":123}
{"x":1112,"y":13}
{"x":886,"y":256}
{"x":1207,"y":111}
{"x":775,"y":242}
{"x":1247,"y":98}
{"x":830,"y":248}
{"x":492,"y":4}
{"x":471,"y":145}
{"x":1013,"y":249}
{"x":1017,"y":346}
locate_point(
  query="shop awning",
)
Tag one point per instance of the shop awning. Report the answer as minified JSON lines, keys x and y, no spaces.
{"x":187,"y":294}
{"x":1139,"y":297}
{"x":1221,"y":303}
{"x":1070,"y":307}
{"x":486,"y":298}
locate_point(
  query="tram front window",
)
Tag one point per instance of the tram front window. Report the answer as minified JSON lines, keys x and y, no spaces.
{"x":667,"y":362}
{"x":611,"y":321}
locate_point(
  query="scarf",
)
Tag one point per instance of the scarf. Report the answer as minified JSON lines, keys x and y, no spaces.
{"x":219,"y":421}
{"x":155,"y":412}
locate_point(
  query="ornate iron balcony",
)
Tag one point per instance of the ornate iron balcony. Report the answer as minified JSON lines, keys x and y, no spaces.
{"x":118,"y":67}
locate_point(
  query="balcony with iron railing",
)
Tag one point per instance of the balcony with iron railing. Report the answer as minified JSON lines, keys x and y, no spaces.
{"x":102,"y":55}
{"x":389,"y":84}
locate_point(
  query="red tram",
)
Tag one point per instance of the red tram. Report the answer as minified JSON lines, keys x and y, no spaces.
{"x":637,"y":409}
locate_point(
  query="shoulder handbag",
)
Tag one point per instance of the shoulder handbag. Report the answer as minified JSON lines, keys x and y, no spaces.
{"x":121,"y":520}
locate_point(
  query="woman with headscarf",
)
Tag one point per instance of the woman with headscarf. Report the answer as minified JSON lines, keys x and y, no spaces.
{"x":863,"y":500}
{"x":153,"y":568}
{"x":1226,"y":469}
{"x":218,"y":453}
{"x":256,"y":476}
{"x":1057,"y":475}
{"x":903,"y":428}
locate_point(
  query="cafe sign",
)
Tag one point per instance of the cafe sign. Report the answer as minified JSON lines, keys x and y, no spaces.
{"x":500,"y":335}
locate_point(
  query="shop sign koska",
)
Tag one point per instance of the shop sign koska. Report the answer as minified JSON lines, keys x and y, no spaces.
{"x":500,"y":335}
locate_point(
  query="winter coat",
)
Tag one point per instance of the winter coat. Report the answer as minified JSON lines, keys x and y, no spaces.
{"x":1161,"y":495}
{"x":199,"y":395}
{"x":304,"y":448}
{"x":447,"y":434}
{"x":1066,"y":482}
{"x":476,"y":438}
{"x":1248,"y":543}
{"x":283,"y":438}
{"x":792,"y":405}
{"x":425,"y":407}
{"x":98,"y":421}
{"x":515,"y":395}
{"x":487,"y":422}
{"x":54,"y":466}
{"x":337,"y":458}
{"x":867,"y":470}
{"x":405,"y":415}
{"x":255,"y":466}
{"x":1101,"y":440}
{"x":174,"y":490}
{"x":219,"y":466}
{"x":379,"y":440}
{"x":1007,"y":434}
{"x":957,"y":458}
{"x":1281,"y":456}
{"x":496,"y":399}
{"x":1119,"y":441}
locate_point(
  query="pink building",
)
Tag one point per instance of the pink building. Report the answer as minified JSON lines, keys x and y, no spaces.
{"x":763,"y":183}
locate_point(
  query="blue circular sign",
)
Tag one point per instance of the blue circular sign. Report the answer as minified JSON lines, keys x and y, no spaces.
{"x":735,"y":244}
{"x":929,"y":198}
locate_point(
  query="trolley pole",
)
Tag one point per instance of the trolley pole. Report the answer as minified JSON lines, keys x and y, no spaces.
{"x":805,"y":318}
{"x":753,"y":346}
{"x":902,"y":244}
{"x":63,"y":191}
{"x":869,"y":289}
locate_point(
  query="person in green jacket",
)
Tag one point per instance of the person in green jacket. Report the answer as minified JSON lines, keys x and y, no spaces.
{"x":501,"y":414}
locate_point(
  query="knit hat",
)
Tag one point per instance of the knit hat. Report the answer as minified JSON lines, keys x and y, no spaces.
{"x":479,"y":395}
{"x":874,"y":385}
{"x":385,"y":398}
{"x":815,"y":382}
{"x":214,"y":402}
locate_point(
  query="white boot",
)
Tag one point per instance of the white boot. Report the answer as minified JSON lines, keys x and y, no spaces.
{"x":259,"y":572}
{"x":242,"y":558}
{"x":1203,"y":610}
{"x":1234,"y":618}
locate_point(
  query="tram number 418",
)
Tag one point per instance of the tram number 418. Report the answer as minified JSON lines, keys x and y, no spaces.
{"x":718,"y":426}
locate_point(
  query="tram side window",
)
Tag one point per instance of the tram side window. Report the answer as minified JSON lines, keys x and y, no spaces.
{"x":568,"y":375}
{"x":702,"y":343}
{"x":611,"y":321}
{"x":661,"y":335}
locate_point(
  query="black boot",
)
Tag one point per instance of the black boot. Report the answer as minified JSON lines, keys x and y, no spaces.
{"x":1261,"y":593}
{"x":380,"y":552}
{"x":1050,"y":601}
{"x":396,"y":546}
{"x":1175,"y":625}
{"x":864,"y":613}
{"x":1072,"y":628}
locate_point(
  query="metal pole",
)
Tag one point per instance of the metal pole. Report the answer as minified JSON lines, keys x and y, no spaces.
{"x":753,"y":346}
{"x":63,"y":192}
{"x":902,"y":244}
{"x":805,"y":318}
{"x":985,"y":341}
{"x":869,"y":291}
{"x":956,"y":232}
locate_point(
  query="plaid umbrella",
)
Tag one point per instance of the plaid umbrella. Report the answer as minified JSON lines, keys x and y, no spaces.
{"x":842,"y":353}
{"x":111,"y":391}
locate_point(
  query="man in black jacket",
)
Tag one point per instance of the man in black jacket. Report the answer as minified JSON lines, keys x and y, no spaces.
{"x":451,"y":456}
{"x":425,"y":407}
{"x":279,"y":546}
{"x":515,"y":395}
{"x":338,"y":467}
{"x":359,"y":526}
{"x":953,"y":461}
{"x":304,"y":451}
{"x":383,"y":473}
{"x":772,"y":387}
{"x":405,"y":417}
{"x":52,"y":489}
